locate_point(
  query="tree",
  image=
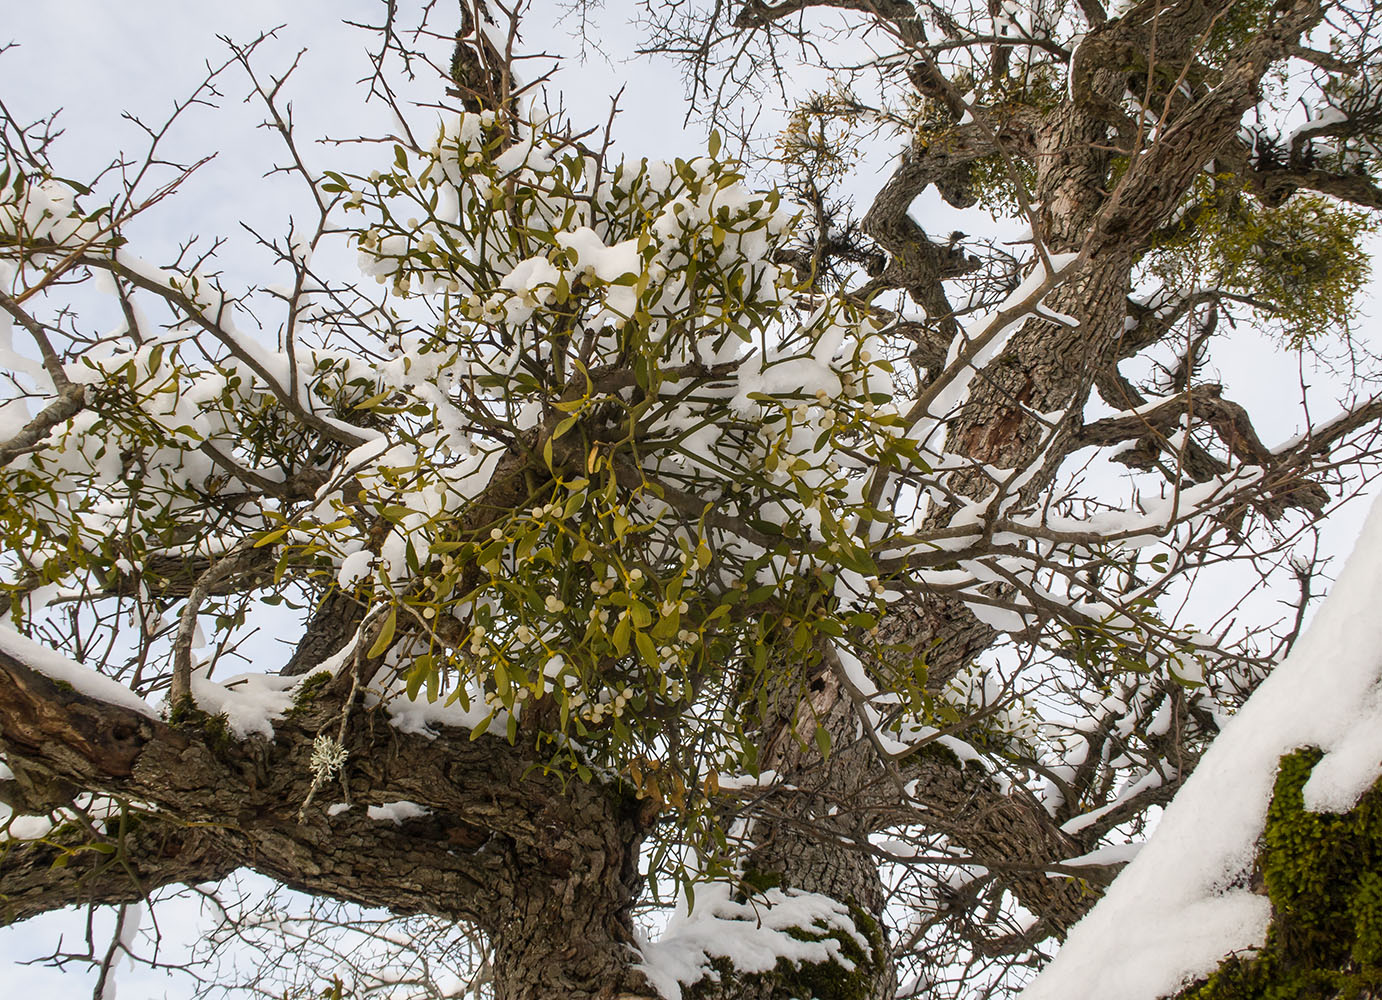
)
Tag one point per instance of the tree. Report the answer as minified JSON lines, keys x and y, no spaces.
{"x":655,"y":536}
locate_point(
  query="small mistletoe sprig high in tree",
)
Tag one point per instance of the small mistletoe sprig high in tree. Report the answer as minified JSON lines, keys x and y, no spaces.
{"x":640,"y":550}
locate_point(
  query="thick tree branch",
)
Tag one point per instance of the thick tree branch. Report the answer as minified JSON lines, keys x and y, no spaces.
{"x":757,"y":14}
{"x":1274,"y":185}
{"x":489,"y":837}
{"x":71,"y":866}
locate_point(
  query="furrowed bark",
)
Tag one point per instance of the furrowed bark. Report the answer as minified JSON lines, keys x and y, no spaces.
{"x":547,"y":868}
{"x":75,"y":866}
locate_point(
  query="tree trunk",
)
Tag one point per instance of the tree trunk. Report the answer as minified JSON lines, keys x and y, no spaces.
{"x":562,"y":923}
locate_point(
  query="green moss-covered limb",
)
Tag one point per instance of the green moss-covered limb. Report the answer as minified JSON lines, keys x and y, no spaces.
{"x":216,"y":728}
{"x":1323,"y":874}
{"x":831,"y":980}
{"x":310,"y":687}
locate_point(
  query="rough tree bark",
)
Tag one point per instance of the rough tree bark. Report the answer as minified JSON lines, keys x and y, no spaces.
{"x":548,"y":868}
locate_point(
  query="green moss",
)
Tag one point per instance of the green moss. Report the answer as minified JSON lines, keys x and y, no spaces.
{"x":1365,"y":911}
{"x":309,"y":689}
{"x":218,"y":734}
{"x":214,"y":729}
{"x":938,"y":751}
{"x":761,"y":881}
{"x":1323,"y":874}
{"x":831,"y":980}
{"x":313,"y":684}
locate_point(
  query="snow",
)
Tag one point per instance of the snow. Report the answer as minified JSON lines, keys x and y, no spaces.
{"x":397,"y":812}
{"x":1181,"y":906}
{"x":25,"y":827}
{"x":606,"y":263}
{"x":1146,"y":782}
{"x":354,"y":567}
{"x":425,"y":718}
{"x":996,"y":618}
{"x":738,"y":782}
{"x":915,"y":736}
{"x":59,"y":668}
{"x":249,"y":702}
{"x":1327,"y":118}
{"x":1114,"y":854}
{"x":753,"y":935}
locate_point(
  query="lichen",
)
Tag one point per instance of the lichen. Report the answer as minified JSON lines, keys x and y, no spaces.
{"x":1323,"y":874}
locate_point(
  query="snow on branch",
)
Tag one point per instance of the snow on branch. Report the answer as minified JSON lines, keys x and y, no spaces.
{"x":1185,"y":901}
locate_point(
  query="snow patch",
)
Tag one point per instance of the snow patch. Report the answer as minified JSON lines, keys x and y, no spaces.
{"x":1180,"y":906}
{"x":396,"y":812}
{"x":250,"y":702}
{"x":752,"y":935}
{"x":57,"y":667}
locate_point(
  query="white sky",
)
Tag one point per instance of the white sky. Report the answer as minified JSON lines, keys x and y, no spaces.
{"x":97,"y":59}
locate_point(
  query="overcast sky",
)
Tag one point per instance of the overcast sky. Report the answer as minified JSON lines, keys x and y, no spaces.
{"x":97,"y":59}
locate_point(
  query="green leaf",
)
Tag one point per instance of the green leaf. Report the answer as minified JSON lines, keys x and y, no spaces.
{"x":481,"y":726}
{"x":415,"y":678}
{"x":381,"y":644}
{"x":646,"y":650}
{"x":272,"y":536}
{"x":829,"y":626}
{"x":823,"y":741}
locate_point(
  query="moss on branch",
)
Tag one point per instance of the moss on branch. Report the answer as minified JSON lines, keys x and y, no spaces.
{"x":1323,"y":873}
